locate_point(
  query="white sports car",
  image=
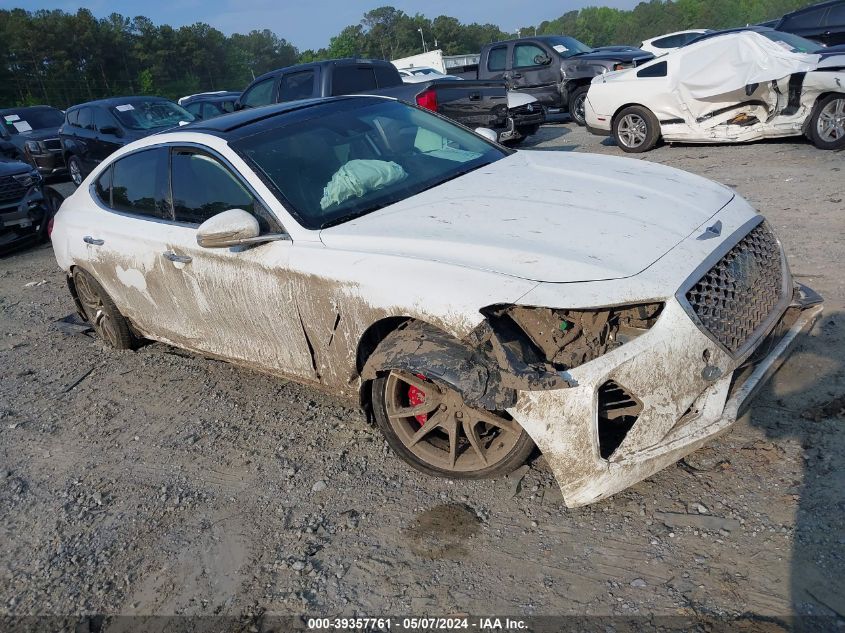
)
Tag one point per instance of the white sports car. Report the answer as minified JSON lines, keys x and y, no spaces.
{"x":614,"y":313}
{"x":733,"y":88}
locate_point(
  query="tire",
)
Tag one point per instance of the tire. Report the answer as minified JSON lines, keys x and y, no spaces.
{"x":53,"y":200}
{"x":636,"y":130}
{"x":827,"y":123}
{"x":100,"y":311}
{"x":577,"y":103}
{"x":505,"y":450}
{"x":74,"y":169}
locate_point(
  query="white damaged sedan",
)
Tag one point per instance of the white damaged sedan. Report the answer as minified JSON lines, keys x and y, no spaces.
{"x":613,"y":313}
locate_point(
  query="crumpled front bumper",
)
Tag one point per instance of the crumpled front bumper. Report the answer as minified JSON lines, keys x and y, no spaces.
{"x":689,"y":387}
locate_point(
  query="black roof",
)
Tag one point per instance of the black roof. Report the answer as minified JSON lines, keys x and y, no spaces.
{"x":757,"y":28}
{"x":115,"y":101}
{"x":244,"y":121}
{"x":27,"y":109}
{"x":209,"y":97}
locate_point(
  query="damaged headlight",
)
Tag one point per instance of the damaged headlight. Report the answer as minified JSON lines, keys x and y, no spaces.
{"x":568,"y":338}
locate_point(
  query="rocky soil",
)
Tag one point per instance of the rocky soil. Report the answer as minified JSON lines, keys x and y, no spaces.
{"x":160,"y":482}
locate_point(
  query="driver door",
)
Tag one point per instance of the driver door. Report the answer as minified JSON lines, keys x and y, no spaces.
{"x":538,"y":80}
{"x":235,"y":303}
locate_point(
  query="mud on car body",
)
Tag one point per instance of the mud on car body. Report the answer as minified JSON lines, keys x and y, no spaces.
{"x":378,"y":251}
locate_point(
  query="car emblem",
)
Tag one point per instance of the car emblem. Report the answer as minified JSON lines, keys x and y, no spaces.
{"x":530,"y":108}
{"x":714,"y":230}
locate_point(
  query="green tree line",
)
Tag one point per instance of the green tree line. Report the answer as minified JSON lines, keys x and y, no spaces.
{"x":63,"y":58}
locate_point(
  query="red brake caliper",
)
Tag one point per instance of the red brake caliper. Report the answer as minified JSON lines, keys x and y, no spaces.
{"x":417,"y":397}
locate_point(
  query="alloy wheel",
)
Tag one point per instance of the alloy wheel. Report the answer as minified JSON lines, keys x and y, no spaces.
{"x":75,"y":172}
{"x":830,"y":124}
{"x":441,"y":430}
{"x":95,"y":310}
{"x":632,"y":130}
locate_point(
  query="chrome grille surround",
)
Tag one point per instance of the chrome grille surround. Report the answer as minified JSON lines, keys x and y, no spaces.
{"x":737,"y":299}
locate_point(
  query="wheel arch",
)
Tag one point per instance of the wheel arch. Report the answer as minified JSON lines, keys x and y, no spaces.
{"x":821,"y":97}
{"x":623,"y":107}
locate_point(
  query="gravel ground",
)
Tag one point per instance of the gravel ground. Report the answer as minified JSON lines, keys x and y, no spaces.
{"x":160,"y":482}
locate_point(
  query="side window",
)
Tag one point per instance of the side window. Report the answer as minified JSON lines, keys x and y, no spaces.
{"x":387,"y":76}
{"x":524,"y":55}
{"x":194,"y":108}
{"x":103,"y":119}
{"x":350,"y":79}
{"x":807,"y":20}
{"x":836,"y":17}
{"x":297,"y":86}
{"x":497,"y":58}
{"x":260,"y":94}
{"x":656,"y":70}
{"x":202,"y":188}
{"x":673,"y":41}
{"x":139,"y":184}
{"x":209,"y":111}
{"x":103,"y":187}
{"x":86,"y":119}
{"x":73,"y":118}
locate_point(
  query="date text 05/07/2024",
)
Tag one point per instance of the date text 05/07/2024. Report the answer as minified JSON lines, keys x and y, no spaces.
{"x":418,"y":624}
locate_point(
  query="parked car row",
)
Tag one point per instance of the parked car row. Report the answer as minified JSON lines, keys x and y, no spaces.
{"x":728,"y":87}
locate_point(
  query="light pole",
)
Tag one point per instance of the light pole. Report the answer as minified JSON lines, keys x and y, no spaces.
{"x":422,"y":37}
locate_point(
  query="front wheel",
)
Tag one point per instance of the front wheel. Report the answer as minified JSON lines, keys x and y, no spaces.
{"x":578,"y":105}
{"x":74,"y":167}
{"x":636,"y":130}
{"x":827,"y":123}
{"x":435,"y":431}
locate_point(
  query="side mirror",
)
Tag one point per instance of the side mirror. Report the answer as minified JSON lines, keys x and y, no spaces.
{"x":111,"y":129}
{"x":487,"y":133}
{"x":542,"y":60}
{"x":233,"y":228}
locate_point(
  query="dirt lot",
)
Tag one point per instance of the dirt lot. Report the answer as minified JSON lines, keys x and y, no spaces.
{"x":159,"y":482}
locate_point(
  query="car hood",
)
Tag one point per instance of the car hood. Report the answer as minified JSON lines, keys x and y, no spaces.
{"x":36,"y":135}
{"x":13,"y":167}
{"x":544,"y":216}
{"x":621,"y":56}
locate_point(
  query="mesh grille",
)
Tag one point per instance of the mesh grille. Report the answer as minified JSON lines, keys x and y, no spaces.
{"x":736,"y":296}
{"x":11,"y":190}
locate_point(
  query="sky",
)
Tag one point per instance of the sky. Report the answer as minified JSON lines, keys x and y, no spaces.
{"x":310,"y":23}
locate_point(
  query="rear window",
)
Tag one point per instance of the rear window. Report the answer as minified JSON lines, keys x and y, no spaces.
{"x":497,"y":58}
{"x":297,"y":86}
{"x":673,"y":41}
{"x":351,"y":79}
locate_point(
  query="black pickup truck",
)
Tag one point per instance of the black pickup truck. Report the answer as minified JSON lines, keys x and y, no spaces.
{"x":472,"y":103}
{"x":555,"y":69}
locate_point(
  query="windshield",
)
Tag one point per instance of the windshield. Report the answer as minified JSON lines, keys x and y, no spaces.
{"x":567,"y":46}
{"x":15,"y":122}
{"x":793,"y":43}
{"x":346,"y":158}
{"x":148,"y":115}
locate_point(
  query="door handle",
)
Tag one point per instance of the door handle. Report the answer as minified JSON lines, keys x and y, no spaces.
{"x":475,"y":96}
{"x":180,"y":259}
{"x":517,"y":75}
{"x":93,"y":241}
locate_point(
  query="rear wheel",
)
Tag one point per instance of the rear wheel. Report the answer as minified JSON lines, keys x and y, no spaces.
{"x":101,"y":312}
{"x":74,"y":167}
{"x":636,"y":130}
{"x":577,"y":105}
{"x":436,"y":432}
{"x":827,"y":123}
